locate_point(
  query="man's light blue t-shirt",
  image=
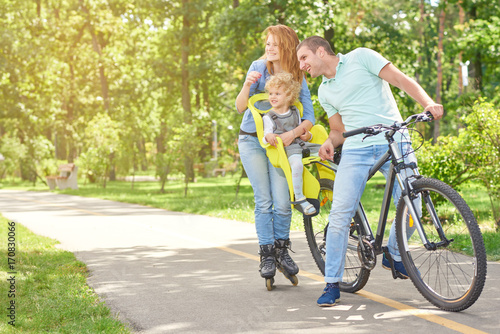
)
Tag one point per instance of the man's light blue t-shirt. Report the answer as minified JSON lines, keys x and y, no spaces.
{"x":360,"y":96}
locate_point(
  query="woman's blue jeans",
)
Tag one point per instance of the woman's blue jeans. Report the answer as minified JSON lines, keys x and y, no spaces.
{"x":349,"y":185}
{"x":273,"y":213}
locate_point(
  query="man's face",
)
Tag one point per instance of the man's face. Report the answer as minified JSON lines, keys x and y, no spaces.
{"x":310,"y":61}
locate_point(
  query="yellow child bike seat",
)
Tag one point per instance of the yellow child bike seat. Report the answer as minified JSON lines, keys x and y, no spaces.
{"x":277,"y":155}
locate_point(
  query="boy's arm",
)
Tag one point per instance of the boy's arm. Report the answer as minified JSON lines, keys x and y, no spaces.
{"x":304,"y":127}
{"x":269,"y":136}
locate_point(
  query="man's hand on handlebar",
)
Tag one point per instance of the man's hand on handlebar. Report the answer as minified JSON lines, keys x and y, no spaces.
{"x":436,"y":110}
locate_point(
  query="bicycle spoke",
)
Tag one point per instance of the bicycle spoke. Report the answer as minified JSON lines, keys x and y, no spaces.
{"x":355,"y":274}
{"x":448,"y":275}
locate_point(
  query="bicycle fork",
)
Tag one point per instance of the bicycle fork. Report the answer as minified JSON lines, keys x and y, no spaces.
{"x":414,"y":210}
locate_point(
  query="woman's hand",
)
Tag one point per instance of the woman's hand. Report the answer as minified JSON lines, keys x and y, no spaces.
{"x":242,"y":98}
{"x":252,"y":78}
{"x":306,"y":136}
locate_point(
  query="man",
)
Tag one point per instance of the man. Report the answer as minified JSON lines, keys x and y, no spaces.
{"x":355,"y":92}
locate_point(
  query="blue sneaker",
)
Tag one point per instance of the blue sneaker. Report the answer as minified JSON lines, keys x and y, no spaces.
{"x":330,"y":296}
{"x":398,"y":265}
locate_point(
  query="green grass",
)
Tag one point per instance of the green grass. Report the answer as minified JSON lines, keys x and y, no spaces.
{"x":51,"y":293}
{"x":217,"y":197}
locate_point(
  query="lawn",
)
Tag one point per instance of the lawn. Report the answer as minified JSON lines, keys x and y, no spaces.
{"x":217,"y":197}
{"x":46,"y":288}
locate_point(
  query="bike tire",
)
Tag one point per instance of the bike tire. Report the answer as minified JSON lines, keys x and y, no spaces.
{"x":355,"y":274}
{"x":450,"y":277}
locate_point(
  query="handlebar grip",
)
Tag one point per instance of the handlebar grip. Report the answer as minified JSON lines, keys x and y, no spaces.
{"x":429,"y":114}
{"x":354,"y":132}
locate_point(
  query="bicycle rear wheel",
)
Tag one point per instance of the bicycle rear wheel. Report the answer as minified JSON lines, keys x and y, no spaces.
{"x":450,"y":275}
{"x":355,"y":274}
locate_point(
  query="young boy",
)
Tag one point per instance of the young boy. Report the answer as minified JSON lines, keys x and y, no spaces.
{"x":283,"y":92}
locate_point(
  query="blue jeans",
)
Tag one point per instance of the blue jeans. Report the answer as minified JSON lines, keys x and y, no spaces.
{"x":273,"y":213}
{"x":349,"y":185}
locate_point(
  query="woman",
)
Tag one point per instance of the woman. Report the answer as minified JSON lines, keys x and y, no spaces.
{"x":272,"y":201}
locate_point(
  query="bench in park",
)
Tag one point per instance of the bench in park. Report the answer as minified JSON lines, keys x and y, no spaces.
{"x":232,"y":167}
{"x":67,"y":177}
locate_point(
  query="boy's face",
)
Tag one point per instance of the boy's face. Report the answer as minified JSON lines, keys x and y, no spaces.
{"x":278,"y":98}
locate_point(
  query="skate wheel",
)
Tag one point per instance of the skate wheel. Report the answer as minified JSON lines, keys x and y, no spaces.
{"x":269,"y":283}
{"x":294,"y":280}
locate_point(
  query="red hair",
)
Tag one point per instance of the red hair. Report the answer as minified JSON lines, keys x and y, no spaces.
{"x":287,"y":41}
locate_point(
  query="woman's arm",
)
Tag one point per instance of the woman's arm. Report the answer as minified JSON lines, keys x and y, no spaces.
{"x":242,"y":98}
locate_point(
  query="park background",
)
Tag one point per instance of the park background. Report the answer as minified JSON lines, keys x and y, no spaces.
{"x":147,"y":87}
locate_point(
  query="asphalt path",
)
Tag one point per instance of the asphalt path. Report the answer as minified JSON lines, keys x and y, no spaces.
{"x":170,"y":272}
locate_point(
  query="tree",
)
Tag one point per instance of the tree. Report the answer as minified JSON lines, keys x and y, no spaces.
{"x":102,"y":142}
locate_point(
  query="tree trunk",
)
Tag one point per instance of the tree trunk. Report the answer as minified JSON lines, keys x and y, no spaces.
{"x":439,"y":84}
{"x":186,"y":97}
{"x":477,"y":63}
{"x":329,"y":33}
{"x":421,"y":33}
{"x":98,"y":49}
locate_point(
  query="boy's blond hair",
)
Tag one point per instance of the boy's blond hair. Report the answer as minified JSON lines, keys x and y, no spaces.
{"x":285,"y":80}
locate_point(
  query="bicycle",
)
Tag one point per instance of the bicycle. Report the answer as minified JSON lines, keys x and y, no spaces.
{"x":445,"y":258}
{"x":452,"y":236}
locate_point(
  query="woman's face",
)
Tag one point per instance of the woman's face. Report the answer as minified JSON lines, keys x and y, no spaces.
{"x":272,"y":49}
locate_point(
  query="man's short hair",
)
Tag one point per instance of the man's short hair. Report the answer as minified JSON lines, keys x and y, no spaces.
{"x":314,"y":42}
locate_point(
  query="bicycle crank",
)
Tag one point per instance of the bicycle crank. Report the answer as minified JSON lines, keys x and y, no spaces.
{"x":366,"y":254}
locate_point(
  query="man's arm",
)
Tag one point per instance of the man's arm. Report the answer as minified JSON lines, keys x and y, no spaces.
{"x":397,"y":78}
{"x":335,"y":137}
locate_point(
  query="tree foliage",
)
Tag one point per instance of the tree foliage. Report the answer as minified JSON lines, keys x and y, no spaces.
{"x":472,"y":155}
{"x":155,"y":76}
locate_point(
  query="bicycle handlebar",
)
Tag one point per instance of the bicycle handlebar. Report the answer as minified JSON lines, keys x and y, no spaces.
{"x":378,"y":128}
{"x":355,"y":132}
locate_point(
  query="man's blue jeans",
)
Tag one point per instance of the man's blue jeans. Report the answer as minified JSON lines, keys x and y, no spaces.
{"x":273,"y":213}
{"x":349,"y":185}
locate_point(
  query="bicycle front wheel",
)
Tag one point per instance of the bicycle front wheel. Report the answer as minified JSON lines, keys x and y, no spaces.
{"x":355,"y":274}
{"x":450,"y":272}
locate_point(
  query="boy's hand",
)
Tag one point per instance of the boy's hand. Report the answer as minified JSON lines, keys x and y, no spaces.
{"x":271,"y":138}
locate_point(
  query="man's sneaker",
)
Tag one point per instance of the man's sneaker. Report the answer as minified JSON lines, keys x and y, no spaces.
{"x":398,"y":265}
{"x":330,"y":296}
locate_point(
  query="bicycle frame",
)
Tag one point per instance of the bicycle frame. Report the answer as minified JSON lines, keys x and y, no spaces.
{"x":394,"y":155}
{"x":450,"y":276}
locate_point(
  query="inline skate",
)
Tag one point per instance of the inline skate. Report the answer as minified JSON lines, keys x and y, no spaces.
{"x":284,"y":262}
{"x":267,"y":266}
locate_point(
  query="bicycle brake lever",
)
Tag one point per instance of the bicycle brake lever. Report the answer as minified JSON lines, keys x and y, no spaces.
{"x":425,"y":117}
